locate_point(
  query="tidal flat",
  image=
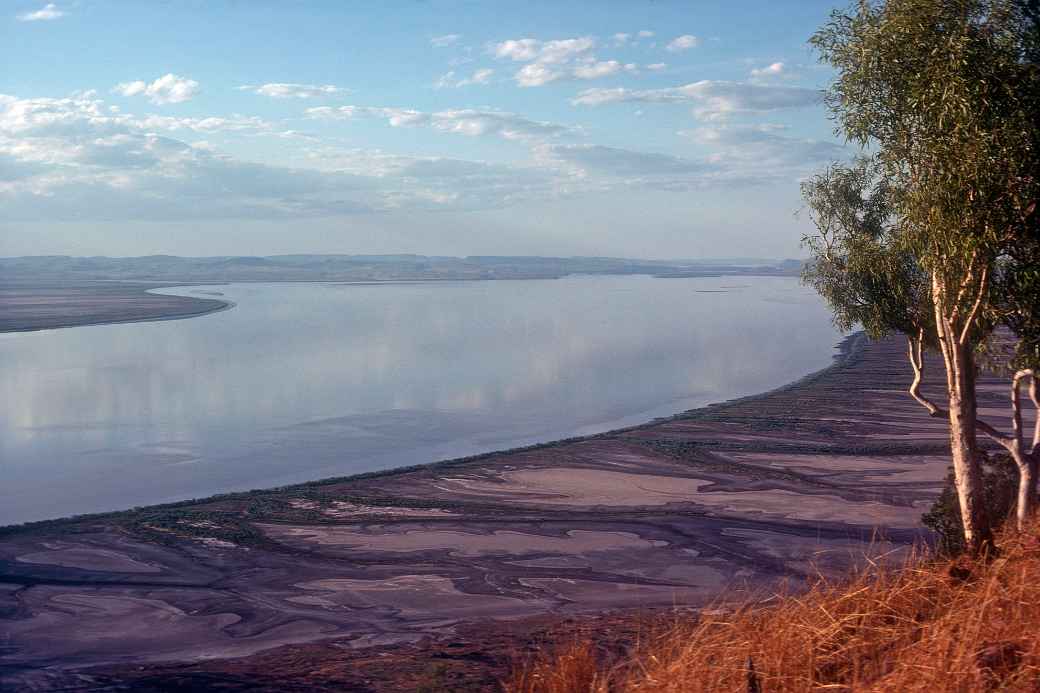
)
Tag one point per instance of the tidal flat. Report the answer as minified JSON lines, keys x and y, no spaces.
{"x":368,"y":579}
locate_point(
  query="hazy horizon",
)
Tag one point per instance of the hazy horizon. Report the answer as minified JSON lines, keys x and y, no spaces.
{"x":188,"y":256}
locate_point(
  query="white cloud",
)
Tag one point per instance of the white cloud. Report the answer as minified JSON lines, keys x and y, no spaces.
{"x":551,"y":61}
{"x":445,"y":40}
{"x":656,"y":66}
{"x":71,"y":159}
{"x":550,"y":52}
{"x":167,"y":89}
{"x":537,"y":74}
{"x":626,"y":39}
{"x":282,"y":90}
{"x":712,"y":98}
{"x":682,"y":43}
{"x":232,"y":123}
{"x":42,"y":118}
{"x":594,"y":70}
{"x":482,"y":76}
{"x":450,"y":80}
{"x":516,"y":49}
{"x":473,"y":123}
{"x":48,"y":12}
{"x":777,"y":70}
{"x":763,"y":150}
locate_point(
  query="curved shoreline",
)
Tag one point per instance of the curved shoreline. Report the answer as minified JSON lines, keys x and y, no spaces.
{"x":737,"y":496}
{"x":849,"y":349}
{"x":85,"y":303}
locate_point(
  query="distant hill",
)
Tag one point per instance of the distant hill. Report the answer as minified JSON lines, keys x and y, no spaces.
{"x":368,"y":267}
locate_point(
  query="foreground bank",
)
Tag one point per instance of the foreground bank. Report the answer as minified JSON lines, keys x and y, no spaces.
{"x":929,"y":625}
{"x":348,"y":576}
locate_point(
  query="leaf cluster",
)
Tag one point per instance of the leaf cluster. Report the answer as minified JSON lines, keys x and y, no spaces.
{"x":945,"y":95}
{"x":861,"y":264}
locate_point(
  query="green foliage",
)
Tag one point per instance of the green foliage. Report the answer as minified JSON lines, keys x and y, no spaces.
{"x":859,"y":263}
{"x":945,"y":95}
{"x":1020,"y":284}
{"x":999,"y":491}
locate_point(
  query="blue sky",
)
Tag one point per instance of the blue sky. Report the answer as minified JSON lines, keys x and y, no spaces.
{"x":648,"y":129}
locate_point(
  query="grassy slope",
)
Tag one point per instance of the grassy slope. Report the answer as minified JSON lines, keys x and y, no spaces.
{"x":965,"y":625}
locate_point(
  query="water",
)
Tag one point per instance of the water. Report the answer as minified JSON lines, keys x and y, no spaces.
{"x":304,"y":381}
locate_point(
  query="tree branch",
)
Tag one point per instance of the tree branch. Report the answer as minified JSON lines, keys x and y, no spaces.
{"x":1016,"y":405}
{"x":1005,"y":441}
{"x":968,"y":280}
{"x":1035,"y":396}
{"x":915,"y":352}
{"x":983,"y":283}
{"x":914,"y":345}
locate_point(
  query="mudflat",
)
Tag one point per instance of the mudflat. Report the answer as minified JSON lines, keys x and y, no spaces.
{"x":27,"y":305}
{"x":363,"y":583}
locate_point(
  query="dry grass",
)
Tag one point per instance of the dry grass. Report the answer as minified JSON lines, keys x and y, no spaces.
{"x":926,"y":626}
{"x":572,"y":667}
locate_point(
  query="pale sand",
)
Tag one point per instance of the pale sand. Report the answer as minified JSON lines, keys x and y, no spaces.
{"x":462,"y":543}
{"x":898,"y":468}
{"x":596,"y":487}
{"x":87,"y":558}
{"x":414,"y":596}
{"x":344,"y":509}
{"x":575,"y":486}
{"x":592,"y":593}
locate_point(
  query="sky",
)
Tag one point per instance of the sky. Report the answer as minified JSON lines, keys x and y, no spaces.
{"x":632,"y":128}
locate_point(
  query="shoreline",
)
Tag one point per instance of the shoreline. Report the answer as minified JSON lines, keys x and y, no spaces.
{"x":143,"y":288}
{"x":472,"y":554}
{"x":87,"y":303}
{"x":847,"y":350}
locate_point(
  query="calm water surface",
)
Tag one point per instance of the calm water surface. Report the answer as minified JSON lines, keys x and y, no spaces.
{"x":303,"y":381}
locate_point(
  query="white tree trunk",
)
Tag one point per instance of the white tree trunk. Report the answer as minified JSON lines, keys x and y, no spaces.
{"x":978,"y":534}
{"x":959,"y":360}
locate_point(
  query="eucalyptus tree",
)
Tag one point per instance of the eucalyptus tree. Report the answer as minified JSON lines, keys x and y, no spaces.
{"x":921,"y":235}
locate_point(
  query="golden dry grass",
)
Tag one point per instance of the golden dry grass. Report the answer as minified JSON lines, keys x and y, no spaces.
{"x":968,"y":625}
{"x":571,"y":667}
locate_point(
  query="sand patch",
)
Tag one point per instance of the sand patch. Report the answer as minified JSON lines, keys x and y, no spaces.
{"x":592,"y":593}
{"x":552,"y":562}
{"x":595,"y":487}
{"x":215,"y":543}
{"x":890,"y":468}
{"x":343,"y":509}
{"x":426,"y":596}
{"x":462,"y":543}
{"x":575,"y":486}
{"x":87,"y":558}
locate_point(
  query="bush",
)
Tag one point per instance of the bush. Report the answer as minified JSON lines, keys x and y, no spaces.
{"x":999,"y":490}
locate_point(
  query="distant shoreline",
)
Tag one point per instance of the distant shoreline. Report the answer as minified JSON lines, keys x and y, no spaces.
{"x":48,"y":305}
{"x":119,"y":301}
